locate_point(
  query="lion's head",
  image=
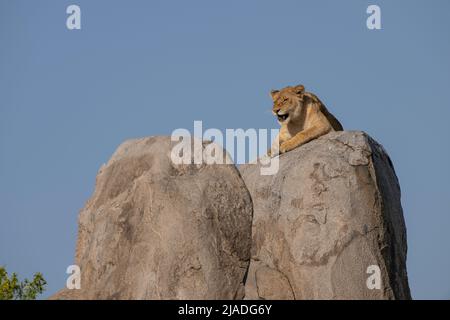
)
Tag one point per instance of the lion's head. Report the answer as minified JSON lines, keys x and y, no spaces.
{"x":288,"y":103}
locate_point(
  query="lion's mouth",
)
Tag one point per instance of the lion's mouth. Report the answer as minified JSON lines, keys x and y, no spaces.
{"x":282,"y":117}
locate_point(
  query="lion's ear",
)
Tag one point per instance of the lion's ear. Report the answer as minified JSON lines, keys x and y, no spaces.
{"x":274,"y":94}
{"x":299,"y":89}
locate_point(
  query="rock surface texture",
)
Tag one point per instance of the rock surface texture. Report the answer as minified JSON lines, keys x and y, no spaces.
{"x":332,"y":210}
{"x":154,"y":230}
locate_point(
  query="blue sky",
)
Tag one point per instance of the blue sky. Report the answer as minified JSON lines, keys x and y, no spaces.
{"x":141,"y":68}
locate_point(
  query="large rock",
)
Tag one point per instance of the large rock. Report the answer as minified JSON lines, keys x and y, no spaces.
{"x":331,"y":211}
{"x":155,"y":230}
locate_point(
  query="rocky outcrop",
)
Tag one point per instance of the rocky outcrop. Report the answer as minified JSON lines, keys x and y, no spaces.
{"x":155,"y":230}
{"x":332,"y":211}
{"x":327,"y":225}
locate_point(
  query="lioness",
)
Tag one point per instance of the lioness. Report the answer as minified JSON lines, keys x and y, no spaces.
{"x":302,"y":116}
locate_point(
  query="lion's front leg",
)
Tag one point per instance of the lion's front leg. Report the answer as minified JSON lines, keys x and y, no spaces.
{"x":303,"y":137}
{"x":275,"y":148}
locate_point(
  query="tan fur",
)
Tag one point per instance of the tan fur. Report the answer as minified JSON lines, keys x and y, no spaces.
{"x":302,"y":116}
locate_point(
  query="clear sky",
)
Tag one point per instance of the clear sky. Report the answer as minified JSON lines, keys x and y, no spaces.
{"x":141,"y":68}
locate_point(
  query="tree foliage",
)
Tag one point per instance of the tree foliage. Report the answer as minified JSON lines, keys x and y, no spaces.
{"x":13,"y":289}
